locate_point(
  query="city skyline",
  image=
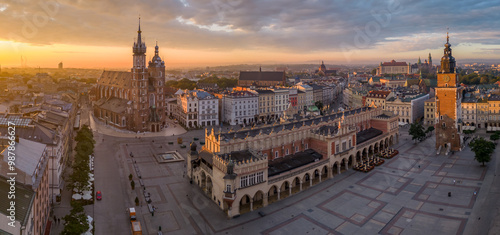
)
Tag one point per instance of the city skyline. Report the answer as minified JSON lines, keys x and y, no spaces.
{"x":99,"y":34}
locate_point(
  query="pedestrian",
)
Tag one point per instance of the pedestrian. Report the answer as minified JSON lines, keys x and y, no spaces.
{"x":475,"y":193}
{"x":454,"y":181}
{"x":55,"y":219}
{"x":58,"y":220}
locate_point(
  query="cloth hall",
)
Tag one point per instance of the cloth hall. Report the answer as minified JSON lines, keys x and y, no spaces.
{"x":244,"y":170}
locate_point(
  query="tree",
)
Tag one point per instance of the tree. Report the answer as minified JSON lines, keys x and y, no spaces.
{"x":482,"y":150}
{"x":429,"y":130}
{"x":76,"y":221}
{"x":494,"y":137}
{"x":417,"y":131}
{"x":374,"y":71}
{"x":319,"y":104}
{"x":484,"y":79}
{"x":132,"y":184}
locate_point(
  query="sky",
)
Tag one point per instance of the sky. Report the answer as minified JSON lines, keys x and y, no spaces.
{"x":100,"y":33}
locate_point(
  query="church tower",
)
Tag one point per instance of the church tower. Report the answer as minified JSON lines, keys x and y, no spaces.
{"x":139,"y":50}
{"x":139,"y":82}
{"x":448,"y":103}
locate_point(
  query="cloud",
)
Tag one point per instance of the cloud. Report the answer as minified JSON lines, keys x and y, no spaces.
{"x":302,"y":26}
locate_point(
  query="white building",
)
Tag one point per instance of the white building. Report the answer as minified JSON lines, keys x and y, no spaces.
{"x":241,"y":107}
{"x":281,"y":100}
{"x":309,"y":93}
{"x":208,"y":109}
{"x":409,"y":109}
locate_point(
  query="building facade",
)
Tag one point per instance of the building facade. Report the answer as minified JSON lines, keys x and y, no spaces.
{"x":241,"y":107}
{"x":393,"y":67}
{"x":266,"y":105}
{"x":408,"y":109}
{"x":430,"y":112}
{"x":208,"y":109}
{"x":377,"y":98}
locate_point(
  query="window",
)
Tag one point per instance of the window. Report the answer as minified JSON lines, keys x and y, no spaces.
{"x":287,"y":152}
{"x":228,"y":188}
{"x":249,"y":180}
{"x":276,"y":154}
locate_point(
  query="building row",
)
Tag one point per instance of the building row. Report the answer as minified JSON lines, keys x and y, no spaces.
{"x":198,"y":108}
{"x":476,"y":112}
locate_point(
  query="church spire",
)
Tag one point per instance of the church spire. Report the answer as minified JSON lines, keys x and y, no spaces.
{"x":139,"y":32}
{"x":156,"y":49}
{"x":139,"y":46}
{"x":447,"y":61}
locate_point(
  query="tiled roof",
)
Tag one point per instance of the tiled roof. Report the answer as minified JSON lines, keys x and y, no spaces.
{"x":115,"y":105}
{"x":115,"y":78}
{"x":394,"y":63}
{"x":262,"y":76}
{"x":494,"y":98}
{"x":382,"y":94}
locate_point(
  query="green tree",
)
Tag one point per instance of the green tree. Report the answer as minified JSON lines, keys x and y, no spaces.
{"x":482,"y":150}
{"x":484,"y":79}
{"x":429,"y":130}
{"x":494,"y":137}
{"x":319,"y":104}
{"x":76,"y":221}
{"x":374,"y":71}
{"x":417,"y":131}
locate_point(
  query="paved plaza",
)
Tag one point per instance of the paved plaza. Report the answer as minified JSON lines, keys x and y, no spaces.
{"x":406,"y":195}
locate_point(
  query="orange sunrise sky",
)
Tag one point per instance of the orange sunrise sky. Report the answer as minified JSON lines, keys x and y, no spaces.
{"x":100,"y":34}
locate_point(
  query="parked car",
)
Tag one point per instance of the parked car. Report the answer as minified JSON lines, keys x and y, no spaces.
{"x":98,"y":195}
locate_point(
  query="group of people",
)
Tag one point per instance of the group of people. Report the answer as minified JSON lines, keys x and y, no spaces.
{"x":368,"y":165}
{"x":388,"y":153}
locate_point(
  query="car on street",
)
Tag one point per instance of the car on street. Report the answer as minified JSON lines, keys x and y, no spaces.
{"x":98,"y":195}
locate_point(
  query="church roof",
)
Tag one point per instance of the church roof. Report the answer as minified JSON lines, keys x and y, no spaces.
{"x":116,"y":79}
{"x":262,"y":75}
{"x":115,"y":105}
